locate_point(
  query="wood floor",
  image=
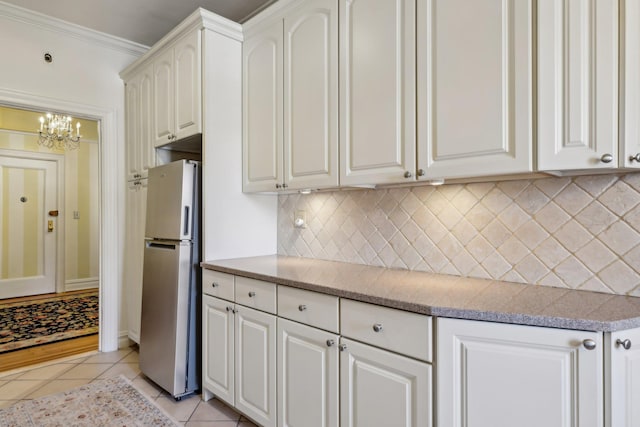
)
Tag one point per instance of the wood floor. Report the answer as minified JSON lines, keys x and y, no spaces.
{"x":43,"y":353}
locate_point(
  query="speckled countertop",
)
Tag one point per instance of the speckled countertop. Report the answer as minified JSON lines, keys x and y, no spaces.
{"x":443,"y":295}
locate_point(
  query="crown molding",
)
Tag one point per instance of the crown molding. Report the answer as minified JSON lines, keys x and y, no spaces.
{"x":26,"y":16}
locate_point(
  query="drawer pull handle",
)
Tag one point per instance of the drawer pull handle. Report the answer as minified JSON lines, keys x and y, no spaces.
{"x":330,"y":343}
{"x":377,"y":327}
{"x":342,"y":347}
{"x":302,"y":307}
{"x":626,"y":344}
{"x":214,"y":285}
{"x":252,"y":294}
{"x":589,"y":344}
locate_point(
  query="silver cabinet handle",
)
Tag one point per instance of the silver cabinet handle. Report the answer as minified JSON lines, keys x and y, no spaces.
{"x":234,"y":311}
{"x":252,"y":294}
{"x":626,"y":344}
{"x":377,"y":327}
{"x":421,"y":172}
{"x":214,"y":285}
{"x":342,"y":347}
{"x":589,"y":344}
{"x":330,"y":343}
{"x":635,"y":158}
{"x":229,"y":308}
{"x":606,"y":158}
{"x":302,"y":307}
{"x":407,"y":174}
{"x":284,"y":185}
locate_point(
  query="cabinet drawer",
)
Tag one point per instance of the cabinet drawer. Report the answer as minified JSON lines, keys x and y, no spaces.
{"x":388,"y":328}
{"x":256,"y":294}
{"x":312,"y":308}
{"x":218,"y":284}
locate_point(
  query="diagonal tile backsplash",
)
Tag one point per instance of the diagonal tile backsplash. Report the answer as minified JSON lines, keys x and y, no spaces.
{"x":581,"y":233}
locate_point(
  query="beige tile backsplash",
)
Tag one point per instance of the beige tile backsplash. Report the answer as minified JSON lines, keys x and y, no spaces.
{"x":581,"y":233}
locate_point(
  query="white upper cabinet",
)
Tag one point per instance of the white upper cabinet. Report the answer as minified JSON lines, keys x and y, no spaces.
{"x":475,"y":83}
{"x":177,"y":88}
{"x":577,"y":80}
{"x":630,"y":131}
{"x":377,"y":91}
{"x":290,"y":122}
{"x":139,"y":110}
{"x":311,"y":95}
{"x":262,"y":125}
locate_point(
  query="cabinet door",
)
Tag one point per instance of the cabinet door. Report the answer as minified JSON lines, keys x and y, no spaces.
{"x":307,"y":376}
{"x":624,"y":380}
{"x":163,"y":117}
{"x":262,"y":109}
{"x":475,"y":83}
{"x":218,"y":348}
{"x":188,"y":98}
{"x":136,"y":201}
{"x":145,"y":121}
{"x":377,"y":91}
{"x":381,"y":389}
{"x":630,"y":131}
{"x":311,"y":95}
{"x":132,"y":120}
{"x":255,"y":363}
{"x":500,"y":375}
{"x":577,"y":84}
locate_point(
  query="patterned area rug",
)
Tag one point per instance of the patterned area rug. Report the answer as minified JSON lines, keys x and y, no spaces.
{"x":29,"y":323}
{"x":110,"y":402}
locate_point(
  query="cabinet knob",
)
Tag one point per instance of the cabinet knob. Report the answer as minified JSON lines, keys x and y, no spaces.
{"x":606,"y":158}
{"x":342,"y":347}
{"x":214,"y":285}
{"x":589,"y":344}
{"x":330,"y":343}
{"x":302,"y":307}
{"x":377,"y":327}
{"x":626,"y":344}
{"x":252,"y":294}
{"x":278,"y":186}
{"x":169,"y":137}
{"x":407,"y":174}
{"x":421,"y":172}
{"x":234,"y":311}
{"x":229,"y":308}
{"x":635,"y":158}
{"x":284,"y":185}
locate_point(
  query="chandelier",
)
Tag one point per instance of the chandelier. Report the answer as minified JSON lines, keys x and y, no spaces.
{"x":56,"y":132}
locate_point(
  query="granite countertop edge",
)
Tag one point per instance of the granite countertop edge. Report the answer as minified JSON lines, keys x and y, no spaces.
{"x":472,"y":308}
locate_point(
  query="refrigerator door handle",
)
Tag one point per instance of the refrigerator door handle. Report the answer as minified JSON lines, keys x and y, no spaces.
{"x":186,"y":220}
{"x":170,"y":246}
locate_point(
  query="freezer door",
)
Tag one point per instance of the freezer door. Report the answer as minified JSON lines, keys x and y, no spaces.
{"x":164,"y":329}
{"x":170,"y":197}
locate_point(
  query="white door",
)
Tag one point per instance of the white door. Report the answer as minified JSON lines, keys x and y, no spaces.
{"x":29,"y":189}
{"x":577,"y":84}
{"x":262,"y":109}
{"x":307,"y":376}
{"x":382,"y":389}
{"x":218,"y":346}
{"x":255,"y":363}
{"x":311,"y":95}
{"x":501,"y":375}
{"x":188,"y":100}
{"x":624,"y":379}
{"x":475,"y":84}
{"x":377,"y":91}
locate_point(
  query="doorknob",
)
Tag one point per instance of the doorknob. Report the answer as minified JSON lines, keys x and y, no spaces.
{"x":50,"y":226}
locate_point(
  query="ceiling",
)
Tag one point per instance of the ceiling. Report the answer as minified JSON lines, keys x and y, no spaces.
{"x":141,"y":21}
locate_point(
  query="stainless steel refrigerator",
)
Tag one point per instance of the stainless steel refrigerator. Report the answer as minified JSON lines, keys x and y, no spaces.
{"x":171,"y":283}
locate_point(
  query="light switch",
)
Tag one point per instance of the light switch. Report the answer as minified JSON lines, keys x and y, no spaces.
{"x":76,"y":214}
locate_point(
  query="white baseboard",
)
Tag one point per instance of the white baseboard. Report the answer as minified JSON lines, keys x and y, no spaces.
{"x":123,"y":340}
{"x":78,"y":284}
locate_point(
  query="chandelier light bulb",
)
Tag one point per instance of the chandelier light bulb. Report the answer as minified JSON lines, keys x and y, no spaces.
{"x":56,"y":132}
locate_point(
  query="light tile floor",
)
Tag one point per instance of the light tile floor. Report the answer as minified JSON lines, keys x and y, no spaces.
{"x":63,"y":374}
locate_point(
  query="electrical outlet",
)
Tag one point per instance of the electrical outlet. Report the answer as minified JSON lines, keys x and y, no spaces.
{"x":300,"y":219}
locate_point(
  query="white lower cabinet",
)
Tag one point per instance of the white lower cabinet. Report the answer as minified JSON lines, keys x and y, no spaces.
{"x":218,"y":349}
{"x":307,"y":376}
{"x":622,"y":378}
{"x":380,"y":389}
{"x":501,"y":375}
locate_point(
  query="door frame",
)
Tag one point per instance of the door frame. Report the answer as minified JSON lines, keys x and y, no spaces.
{"x":112,"y":186}
{"x":59,"y":159}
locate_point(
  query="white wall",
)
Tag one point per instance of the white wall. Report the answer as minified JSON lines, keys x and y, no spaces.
{"x":83,"y":78}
